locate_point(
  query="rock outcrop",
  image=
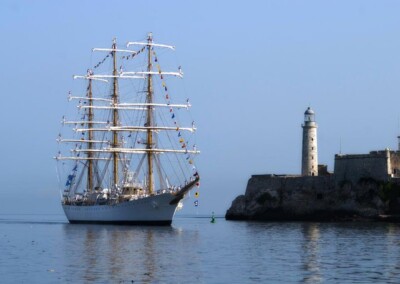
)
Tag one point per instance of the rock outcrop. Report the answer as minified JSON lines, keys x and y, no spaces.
{"x":316,"y":198}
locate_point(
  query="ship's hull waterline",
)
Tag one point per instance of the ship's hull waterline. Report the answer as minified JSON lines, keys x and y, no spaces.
{"x":152,"y":210}
{"x":119,"y":139}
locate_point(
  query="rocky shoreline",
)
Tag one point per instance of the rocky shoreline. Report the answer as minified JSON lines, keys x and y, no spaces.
{"x":318,"y":198}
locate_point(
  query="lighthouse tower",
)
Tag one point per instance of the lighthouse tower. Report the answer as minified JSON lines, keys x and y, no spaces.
{"x":309,"y":161}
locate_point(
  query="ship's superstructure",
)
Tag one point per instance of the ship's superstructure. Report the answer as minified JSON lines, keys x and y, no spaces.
{"x":132,"y":159}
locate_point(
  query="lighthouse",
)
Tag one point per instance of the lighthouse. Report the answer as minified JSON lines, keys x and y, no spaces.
{"x":309,"y":161}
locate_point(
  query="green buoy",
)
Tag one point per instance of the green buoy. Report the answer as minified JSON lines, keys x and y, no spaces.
{"x":212,"y":218}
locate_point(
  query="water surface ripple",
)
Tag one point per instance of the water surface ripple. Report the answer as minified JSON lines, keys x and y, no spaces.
{"x":46,"y":249}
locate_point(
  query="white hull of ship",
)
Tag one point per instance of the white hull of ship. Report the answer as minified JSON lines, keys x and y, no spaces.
{"x":152,"y":210}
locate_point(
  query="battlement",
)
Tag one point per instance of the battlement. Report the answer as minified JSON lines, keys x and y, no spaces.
{"x":379,"y":165}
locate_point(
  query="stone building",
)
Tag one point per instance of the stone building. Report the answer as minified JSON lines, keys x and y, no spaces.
{"x":377,"y":165}
{"x":362,"y":186}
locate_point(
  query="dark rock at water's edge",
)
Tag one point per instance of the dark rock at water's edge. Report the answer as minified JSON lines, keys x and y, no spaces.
{"x":317,"y":198}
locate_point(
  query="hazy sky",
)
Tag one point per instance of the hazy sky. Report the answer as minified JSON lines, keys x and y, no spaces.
{"x":251,"y":69}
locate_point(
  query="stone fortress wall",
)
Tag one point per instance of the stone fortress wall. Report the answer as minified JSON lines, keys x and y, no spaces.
{"x":381,"y":166}
{"x":363,"y":185}
{"x":377,"y":165}
{"x":355,"y":192}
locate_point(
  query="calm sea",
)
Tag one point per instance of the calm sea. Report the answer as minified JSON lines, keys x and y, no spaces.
{"x":46,"y":249}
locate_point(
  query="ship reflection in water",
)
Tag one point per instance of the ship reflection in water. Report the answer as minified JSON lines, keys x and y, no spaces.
{"x":124,"y":253}
{"x":194,"y":250}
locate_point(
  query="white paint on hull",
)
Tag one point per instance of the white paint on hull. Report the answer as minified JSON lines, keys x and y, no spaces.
{"x":150,"y":209}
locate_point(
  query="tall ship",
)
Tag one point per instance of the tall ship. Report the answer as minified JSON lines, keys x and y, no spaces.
{"x":127,"y":159}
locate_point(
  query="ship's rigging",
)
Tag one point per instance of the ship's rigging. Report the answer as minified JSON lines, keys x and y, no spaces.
{"x":128,"y":141}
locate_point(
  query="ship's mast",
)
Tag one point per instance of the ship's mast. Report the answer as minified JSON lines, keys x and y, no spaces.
{"x":94,"y":153}
{"x":115,"y":113}
{"x":149,"y":122}
{"x":90,"y":138}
